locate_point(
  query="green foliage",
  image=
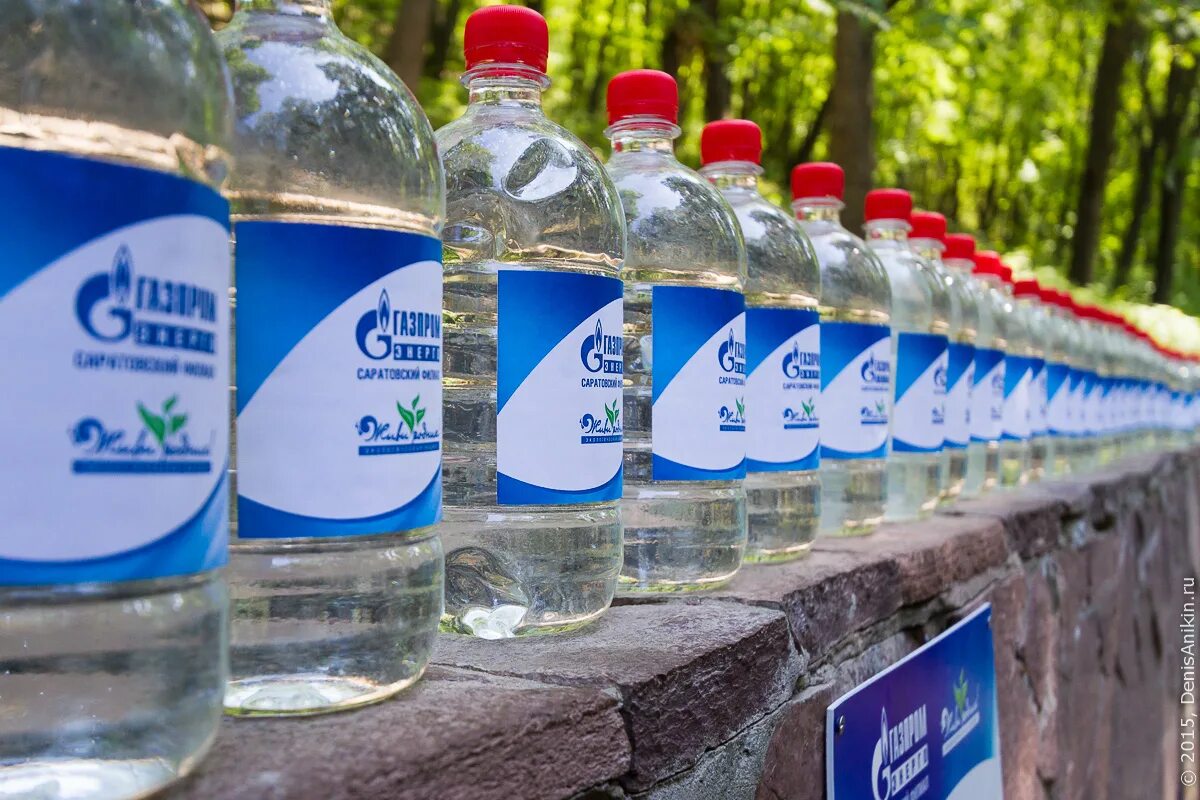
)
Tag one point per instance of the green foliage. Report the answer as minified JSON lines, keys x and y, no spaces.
{"x":981,"y":106}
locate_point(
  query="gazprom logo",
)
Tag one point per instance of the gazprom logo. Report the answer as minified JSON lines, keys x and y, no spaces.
{"x":901,"y":754}
{"x":876,"y":371}
{"x":603,"y":353}
{"x":940,"y":377}
{"x":116,"y":306}
{"x":387,"y":332}
{"x":799,"y":363}
{"x":731,"y":355}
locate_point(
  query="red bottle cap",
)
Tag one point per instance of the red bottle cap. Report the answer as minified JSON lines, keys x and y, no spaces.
{"x":959,"y":245}
{"x":818,"y":179}
{"x":888,"y":204}
{"x":506,"y":35}
{"x":928,"y":225}
{"x":643,"y":93}
{"x":731,"y":140}
{"x":1027,"y":288}
{"x":987,"y":262}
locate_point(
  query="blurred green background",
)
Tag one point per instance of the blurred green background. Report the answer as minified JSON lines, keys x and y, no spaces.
{"x":1065,"y":134}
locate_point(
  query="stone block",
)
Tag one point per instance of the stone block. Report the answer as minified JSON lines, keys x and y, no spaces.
{"x":457,"y":735}
{"x":690,"y":675}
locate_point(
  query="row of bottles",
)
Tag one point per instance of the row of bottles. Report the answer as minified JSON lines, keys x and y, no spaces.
{"x":473,"y":379}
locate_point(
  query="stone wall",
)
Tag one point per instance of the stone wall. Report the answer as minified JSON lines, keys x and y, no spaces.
{"x":724,"y":696}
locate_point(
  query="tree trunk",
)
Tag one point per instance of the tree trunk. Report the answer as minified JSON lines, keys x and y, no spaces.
{"x":804,"y":151}
{"x":1144,"y":182}
{"x":1119,"y":36}
{"x":718,"y":93}
{"x":851,"y":132}
{"x":405,"y":52}
{"x":1174,"y":177}
{"x":443,"y":37}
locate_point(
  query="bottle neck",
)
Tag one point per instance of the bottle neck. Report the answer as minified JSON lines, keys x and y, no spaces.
{"x":322,"y":9}
{"x":516,"y":85}
{"x":733,"y":176}
{"x":887,"y":230}
{"x":653,"y":135}
{"x":928,"y":249}
{"x":818,"y":209}
{"x":963,"y":265}
{"x":994,"y":282}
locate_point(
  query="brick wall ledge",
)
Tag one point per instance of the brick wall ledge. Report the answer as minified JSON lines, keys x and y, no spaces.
{"x":724,"y":695}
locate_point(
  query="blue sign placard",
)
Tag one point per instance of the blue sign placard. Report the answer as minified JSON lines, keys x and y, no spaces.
{"x":923,"y":729}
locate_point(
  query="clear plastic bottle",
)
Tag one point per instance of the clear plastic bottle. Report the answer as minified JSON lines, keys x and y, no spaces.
{"x":987,"y":395}
{"x":534,"y":241}
{"x":685,"y":359}
{"x":1014,"y":438}
{"x":920,"y":324}
{"x":113,"y":120}
{"x":1027,"y":294}
{"x":337,"y":201}
{"x":1061,"y":352}
{"x":928,"y":241}
{"x":1086,"y":392}
{"x":783,"y":357}
{"x":856,"y":357}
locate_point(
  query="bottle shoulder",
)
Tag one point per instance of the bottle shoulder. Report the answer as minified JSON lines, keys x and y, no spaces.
{"x":319,"y":118}
{"x":854,"y":283}
{"x":913,"y":296}
{"x":780,"y":259}
{"x":678,"y":222}
{"x":520,"y":187}
{"x":125,"y":69}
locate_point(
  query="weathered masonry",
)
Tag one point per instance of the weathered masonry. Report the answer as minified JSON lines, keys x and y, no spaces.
{"x":724,"y":696}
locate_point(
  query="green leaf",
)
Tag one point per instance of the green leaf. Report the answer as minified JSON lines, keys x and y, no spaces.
{"x":416,"y":400}
{"x":406,"y":415}
{"x":420,"y":415}
{"x":153,"y":422}
{"x":167,"y":406}
{"x":177,"y":422}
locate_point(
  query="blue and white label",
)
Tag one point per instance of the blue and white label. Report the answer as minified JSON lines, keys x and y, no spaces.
{"x":856,"y":389}
{"x":698,"y":373}
{"x":560,"y":366}
{"x":1015,"y":414}
{"x":114,"y":307}
{"x":1089,"y":394}
{"x":961,"y":378}
{"x":1038,"y":410}
{"x":783,"y":385}
{"x":1058,"y":399}
{"x":922,"y":372}
{"x":339,"y":380}
{"x":987,"y":395}
{"x":1078,"y":381}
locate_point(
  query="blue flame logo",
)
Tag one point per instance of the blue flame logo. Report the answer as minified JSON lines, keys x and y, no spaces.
{"x":591,"y":353}
{"x":791,"y":362}
{"x":378,"y":318}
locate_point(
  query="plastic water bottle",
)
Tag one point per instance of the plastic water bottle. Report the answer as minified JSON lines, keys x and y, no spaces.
{"x":1027,"y":294}
{"x":927,"y":239}
{"x":534,"y":241}
{"x":856,"y":356}
{"x":1087,"y":396}
{"x":987,"y":393}
{"x":685,"y":352}
{"x":337,"y":201}
{"x":1014,"y":404}
{"x":920,"y":324}
{"x":113,"y":120}
{"x":1062,"y":348}
{"x":783,"y":359}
